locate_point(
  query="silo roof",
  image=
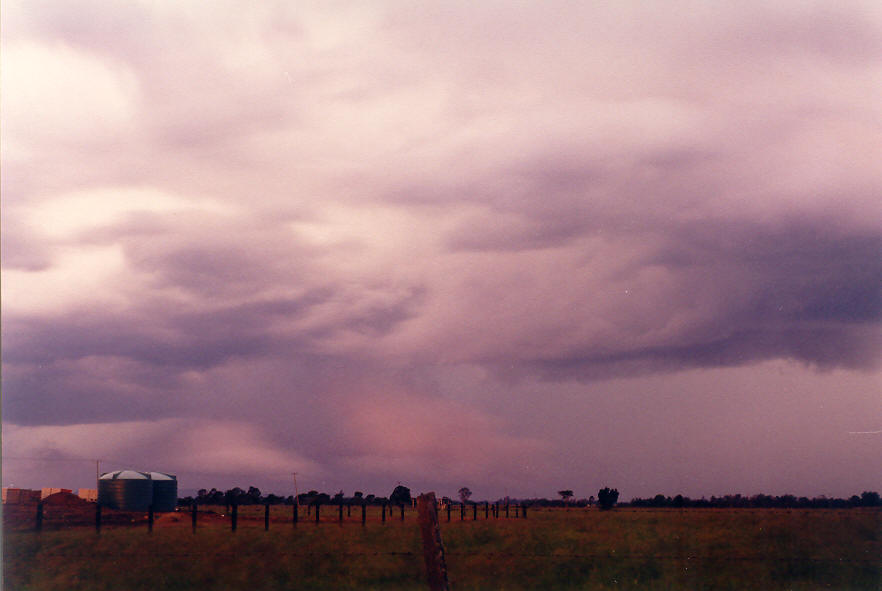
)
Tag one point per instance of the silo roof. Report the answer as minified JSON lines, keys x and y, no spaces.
{"x":162,"y":476}
{"x":125,"y":475}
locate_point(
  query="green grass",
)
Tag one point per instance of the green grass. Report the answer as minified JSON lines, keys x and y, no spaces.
{"x":552,"y":549}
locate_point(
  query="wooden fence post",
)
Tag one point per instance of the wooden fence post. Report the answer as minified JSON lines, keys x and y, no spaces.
{"x":363,"y":513}
{"x":486,"y":509}
{"x":234,"y":517}
{"x":448,"y":512}
{"x":384,"y":512}
{"x":506,"y":509}
{"x":194,"y":516}
{"x":38,"y":526}
{"x":317,"y":507}
{"x":348,"y":509}
{"x":97,"y":518}
{"x":150,"y":519}
{"x":402,"y":511}
{"x":266,"y":517}
{"x":294,"y":512}
{"x":340,"y":512}
{"x":524,"y":511}
{"x":475,"y":512}
{"x":433,"y":549}
{"x":462,"y":511}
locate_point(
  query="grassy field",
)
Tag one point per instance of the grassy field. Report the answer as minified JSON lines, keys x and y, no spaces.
{"x":552,"y":549}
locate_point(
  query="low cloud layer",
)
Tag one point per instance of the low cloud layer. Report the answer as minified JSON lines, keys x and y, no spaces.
{"x":333,"y":231}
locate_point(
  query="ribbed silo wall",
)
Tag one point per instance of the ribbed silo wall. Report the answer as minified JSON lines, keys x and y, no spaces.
{"x":125,"y":494}
{"x":165,"y":495}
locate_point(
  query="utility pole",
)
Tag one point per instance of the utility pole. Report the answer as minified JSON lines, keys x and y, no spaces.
{"x":296,"y":492}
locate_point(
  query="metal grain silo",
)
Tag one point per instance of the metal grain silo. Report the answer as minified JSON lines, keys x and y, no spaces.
{"x":125,"y":490}
{"x":165,"y":491}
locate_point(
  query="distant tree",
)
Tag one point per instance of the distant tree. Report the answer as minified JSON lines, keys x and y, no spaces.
{"x":465,"y":494}
{"x":870,"y":499}
{"x":607,"y":498}
{"x":234,"y":496}
{"x":565,"y":495}
{"x":253,"y":495}
{"x":358,"y":494}
{"x":591,"y":501}
{"x":370,"y":498}
{"x":338,"y":497}
{"x":400,"y":496}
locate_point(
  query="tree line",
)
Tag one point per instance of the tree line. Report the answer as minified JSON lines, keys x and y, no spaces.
{"x":606,"y":499}
{"x":866,"y":499}
{"x":253,"y":496}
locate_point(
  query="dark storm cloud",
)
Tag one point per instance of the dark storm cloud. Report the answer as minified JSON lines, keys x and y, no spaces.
{"x":343,"y":236}
{"x":803,"y":289}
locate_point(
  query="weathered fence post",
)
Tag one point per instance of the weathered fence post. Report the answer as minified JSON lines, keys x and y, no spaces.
{"x":266,"y":517}
{"x":474,"y":511}
{"x":448,"y":512}
{"x":195,"y":509}
{"x":348,"y":509}
{"x":97,"y":518}
{"x":433,"y":549}
{"x":234,"y":517}
{"x":340,"y":512}
{"x":524,"y":511}
{"x":402,"y":511}
{"x":384,"y":512}
{"x":38,"y":526}
{"x":486,"y":509}
{"x":506,"y":509}
{"x":294,"y":514}
{"x":150,"y":519}
{"x":462,"y":511}
{"x":317,"y":507}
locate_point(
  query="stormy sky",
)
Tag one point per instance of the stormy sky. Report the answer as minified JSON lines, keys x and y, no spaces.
{"x":514,"y":246}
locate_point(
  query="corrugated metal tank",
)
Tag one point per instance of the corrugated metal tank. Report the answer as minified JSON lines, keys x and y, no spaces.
{"x":165,"y":491}
{"x":125,"y":490}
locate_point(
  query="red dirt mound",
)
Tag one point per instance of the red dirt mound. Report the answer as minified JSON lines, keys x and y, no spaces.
{"x":65,"y":499}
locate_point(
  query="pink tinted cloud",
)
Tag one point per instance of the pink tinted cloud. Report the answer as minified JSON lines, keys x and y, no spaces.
{"x":431,"y":440}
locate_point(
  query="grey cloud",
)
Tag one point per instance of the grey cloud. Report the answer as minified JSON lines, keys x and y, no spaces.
{"x":595,"y":193}
{"x":19,"y":250}
{"x":802,"y":290}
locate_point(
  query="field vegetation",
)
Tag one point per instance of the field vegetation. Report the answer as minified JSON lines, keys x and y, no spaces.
{"x":625,"y":548}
